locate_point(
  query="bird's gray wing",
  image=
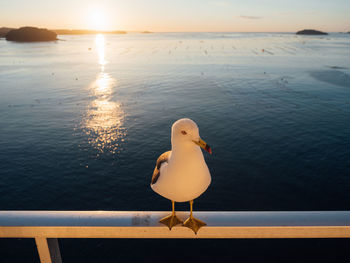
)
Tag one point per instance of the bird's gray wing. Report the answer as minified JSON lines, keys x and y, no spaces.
{"x":161,"y":159}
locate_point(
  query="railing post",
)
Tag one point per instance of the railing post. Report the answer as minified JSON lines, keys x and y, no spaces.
{"x":48,"y":249}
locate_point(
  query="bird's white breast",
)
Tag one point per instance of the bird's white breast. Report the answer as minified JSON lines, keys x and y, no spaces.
{"x":184,"y":177}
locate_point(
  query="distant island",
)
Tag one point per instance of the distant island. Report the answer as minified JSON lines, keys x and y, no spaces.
{"x":84,"y":32}
{"x":30,"y":34}
{"x":311,"y":32}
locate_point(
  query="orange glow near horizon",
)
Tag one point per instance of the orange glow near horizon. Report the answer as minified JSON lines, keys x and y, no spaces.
{"x":180,"y":16}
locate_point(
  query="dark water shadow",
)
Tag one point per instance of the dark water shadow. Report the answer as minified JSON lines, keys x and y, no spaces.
{"x":334,"y":77}
{"x":337,"y":67}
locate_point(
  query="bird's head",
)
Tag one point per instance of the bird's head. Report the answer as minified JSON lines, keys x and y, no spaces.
{"x":186,"y":132}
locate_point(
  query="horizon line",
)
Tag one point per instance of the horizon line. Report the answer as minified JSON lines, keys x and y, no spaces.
{"x":149,"y":31}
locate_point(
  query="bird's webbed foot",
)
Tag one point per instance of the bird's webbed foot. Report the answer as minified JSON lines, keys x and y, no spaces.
{"x":171,"y":221}
{"x":194,"y":224}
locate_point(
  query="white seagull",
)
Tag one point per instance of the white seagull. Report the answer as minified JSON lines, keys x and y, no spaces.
{"x":181,"y":175}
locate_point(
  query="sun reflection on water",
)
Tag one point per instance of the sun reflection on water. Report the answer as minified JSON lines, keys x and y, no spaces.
{"x":104,"y":119}
{"x":100,"y":46}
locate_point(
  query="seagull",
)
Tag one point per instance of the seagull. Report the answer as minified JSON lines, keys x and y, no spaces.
{"x":181,"y":175}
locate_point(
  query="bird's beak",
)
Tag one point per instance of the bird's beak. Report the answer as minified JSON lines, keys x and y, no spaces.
{"x":203,"y":145}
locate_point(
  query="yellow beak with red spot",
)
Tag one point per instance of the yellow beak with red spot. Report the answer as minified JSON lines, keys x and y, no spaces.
{"x":203,"y":145}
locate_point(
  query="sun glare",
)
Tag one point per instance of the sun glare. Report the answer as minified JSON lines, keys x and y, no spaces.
{"x":97,"y":20}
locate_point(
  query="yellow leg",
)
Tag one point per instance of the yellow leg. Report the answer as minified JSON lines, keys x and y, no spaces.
{"x":171,"y":220}
{"x":193,"y":223}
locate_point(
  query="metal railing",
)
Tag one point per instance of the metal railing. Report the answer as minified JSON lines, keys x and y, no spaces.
{"x":47,"y":226}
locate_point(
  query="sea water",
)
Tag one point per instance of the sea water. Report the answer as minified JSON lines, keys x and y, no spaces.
{"x":83,"y":119}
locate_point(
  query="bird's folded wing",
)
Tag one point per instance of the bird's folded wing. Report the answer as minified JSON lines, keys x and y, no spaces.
{"x":161,"y":159}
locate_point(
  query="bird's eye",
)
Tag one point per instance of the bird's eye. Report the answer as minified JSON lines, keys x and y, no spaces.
{"x":183,"y":132}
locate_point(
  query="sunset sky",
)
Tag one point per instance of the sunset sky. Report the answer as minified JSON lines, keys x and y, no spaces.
{"x":179,"y":15}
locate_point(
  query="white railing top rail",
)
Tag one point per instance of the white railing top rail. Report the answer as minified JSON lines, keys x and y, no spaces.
{"x":151,"y":218}
{"x":134,"y":224}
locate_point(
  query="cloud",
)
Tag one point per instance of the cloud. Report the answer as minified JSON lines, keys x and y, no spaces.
{"x":251,"y":17}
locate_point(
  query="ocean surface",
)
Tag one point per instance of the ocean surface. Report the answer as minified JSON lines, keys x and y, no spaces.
{"x":83,"y":120}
